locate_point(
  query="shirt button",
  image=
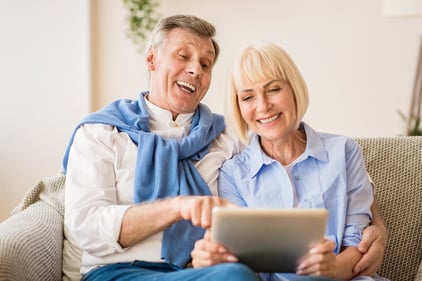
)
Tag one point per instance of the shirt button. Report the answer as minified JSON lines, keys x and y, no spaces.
{"x":296,"y":178}
{"x":173,"y":124}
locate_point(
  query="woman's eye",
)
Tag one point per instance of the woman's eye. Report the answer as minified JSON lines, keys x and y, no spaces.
{"x":273,"y":90}
{"x":246,"y":98}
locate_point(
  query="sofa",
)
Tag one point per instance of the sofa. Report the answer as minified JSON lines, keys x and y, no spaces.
{"x":34,"y":244}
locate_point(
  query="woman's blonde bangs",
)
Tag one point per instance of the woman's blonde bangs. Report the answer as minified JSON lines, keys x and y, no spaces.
{"x":255,"y":65}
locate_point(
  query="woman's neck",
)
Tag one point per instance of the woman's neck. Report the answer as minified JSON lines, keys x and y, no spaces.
{"x":288,"y":149}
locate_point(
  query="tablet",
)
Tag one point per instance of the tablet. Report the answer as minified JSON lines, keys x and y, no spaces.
{"x":268,"y":240}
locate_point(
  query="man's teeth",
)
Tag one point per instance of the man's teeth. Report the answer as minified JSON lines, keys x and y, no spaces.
{"x":186,"y":85}
{"x":269,"y":120}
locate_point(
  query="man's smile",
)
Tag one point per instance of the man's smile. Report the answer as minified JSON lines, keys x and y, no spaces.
{"x":185,"y":86}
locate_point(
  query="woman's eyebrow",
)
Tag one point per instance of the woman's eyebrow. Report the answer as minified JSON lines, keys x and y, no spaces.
{"x":269,"y":83}
{"x":263,"y":87}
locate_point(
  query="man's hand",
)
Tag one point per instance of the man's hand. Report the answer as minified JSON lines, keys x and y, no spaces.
{"x":198,"y":209}
{"x":372,"y":247}
{"x":207,"y":253}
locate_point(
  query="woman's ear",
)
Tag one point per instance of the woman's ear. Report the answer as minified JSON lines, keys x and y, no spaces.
{"x":150,"y":59}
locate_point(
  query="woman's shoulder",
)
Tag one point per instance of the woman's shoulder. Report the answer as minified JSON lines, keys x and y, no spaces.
{"x":241,"y":163}
{"x":331,"y":141}
{"x":327,"y":137}
{"x":338,"y":142}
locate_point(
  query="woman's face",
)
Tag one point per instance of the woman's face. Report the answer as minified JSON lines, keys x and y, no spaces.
{"x":269,"y":109}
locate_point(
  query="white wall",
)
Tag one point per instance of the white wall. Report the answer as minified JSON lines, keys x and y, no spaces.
{"x":44,"y":86}
{"x":358,"y":64}
{"x":359,"y":67}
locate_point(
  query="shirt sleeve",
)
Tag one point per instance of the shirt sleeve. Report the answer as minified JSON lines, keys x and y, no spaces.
{"x":359,"y":194}
{"x":227,"y":187}
{"x":92,"y":213}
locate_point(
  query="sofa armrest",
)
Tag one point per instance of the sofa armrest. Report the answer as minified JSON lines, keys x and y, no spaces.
{"x":31,"y":244}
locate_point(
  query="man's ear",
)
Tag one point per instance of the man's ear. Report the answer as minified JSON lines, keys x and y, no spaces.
{"x":151,"y":59}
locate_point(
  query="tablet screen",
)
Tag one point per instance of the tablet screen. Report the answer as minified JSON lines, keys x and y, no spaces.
{"x":268,"y":240}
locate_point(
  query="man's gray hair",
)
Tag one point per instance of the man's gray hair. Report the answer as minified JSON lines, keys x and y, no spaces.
{"x":194,"y":24}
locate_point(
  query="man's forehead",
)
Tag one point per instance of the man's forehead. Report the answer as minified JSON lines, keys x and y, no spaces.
{"x":178,"y":37}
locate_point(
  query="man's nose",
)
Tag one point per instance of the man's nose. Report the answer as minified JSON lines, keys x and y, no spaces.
{"x":195,"y":68}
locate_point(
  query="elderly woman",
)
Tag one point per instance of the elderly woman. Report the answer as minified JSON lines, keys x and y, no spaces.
{"x":288,"y":164}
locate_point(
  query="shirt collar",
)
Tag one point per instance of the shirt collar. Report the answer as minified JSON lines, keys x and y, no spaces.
{"x":314,"y":145}
{"x":314,"y":148}
{"x":162,"y":119}
{"x":258,"y":157}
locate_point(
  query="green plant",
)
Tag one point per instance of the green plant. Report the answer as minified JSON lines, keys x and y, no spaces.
{"x":414,"y":129}
{"x":141,"y":19}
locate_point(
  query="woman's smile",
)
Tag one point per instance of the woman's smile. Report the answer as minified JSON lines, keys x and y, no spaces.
{"x":269,"y":119}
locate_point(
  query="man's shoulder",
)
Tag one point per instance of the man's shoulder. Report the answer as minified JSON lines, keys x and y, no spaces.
{"x":228,"y":140}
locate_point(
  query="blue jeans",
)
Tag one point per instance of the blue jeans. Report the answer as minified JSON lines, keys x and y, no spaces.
{"x":313,"y":278}
{"x":162,"y":272}
{"x":143,"y":271}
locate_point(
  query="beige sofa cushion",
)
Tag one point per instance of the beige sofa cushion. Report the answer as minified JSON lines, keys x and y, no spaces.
{"x":395,"y":166}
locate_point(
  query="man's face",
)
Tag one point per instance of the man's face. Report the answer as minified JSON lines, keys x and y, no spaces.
{"x":181,"y":70}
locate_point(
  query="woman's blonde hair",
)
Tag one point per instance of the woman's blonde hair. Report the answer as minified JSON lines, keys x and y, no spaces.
{"x":259,"y":62}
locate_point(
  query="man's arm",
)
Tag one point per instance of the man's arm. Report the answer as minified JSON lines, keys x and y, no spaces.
{"x":143,"y":220}
{"x":373,"y":244}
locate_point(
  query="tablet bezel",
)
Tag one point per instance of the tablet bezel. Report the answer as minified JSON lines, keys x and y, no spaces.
{"x":260,"y":239}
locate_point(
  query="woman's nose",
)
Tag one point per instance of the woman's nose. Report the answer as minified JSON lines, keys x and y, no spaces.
{"x":262,"y":103}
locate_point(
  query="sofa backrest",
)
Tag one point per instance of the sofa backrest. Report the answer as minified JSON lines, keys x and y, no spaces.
{"x":395,"y":166}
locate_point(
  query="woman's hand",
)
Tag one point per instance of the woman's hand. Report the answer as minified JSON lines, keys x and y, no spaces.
{"x":207,"y":253}
{"x":320,"y":260}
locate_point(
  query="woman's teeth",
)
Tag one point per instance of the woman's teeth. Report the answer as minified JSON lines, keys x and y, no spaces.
{"x":269,"y":120}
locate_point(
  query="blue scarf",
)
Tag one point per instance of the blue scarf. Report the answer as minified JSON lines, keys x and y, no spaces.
{"x":163,"y":167}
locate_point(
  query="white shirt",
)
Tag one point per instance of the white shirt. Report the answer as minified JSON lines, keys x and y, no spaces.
{"x":100,"y":179}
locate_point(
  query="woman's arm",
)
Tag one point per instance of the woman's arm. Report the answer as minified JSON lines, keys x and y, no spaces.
{"x":362,"y":200}
{"x":373,"y":244}
{"x":345,"y":262}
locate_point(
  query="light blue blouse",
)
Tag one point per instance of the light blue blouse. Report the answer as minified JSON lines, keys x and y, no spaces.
{"x":330,"y":174}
